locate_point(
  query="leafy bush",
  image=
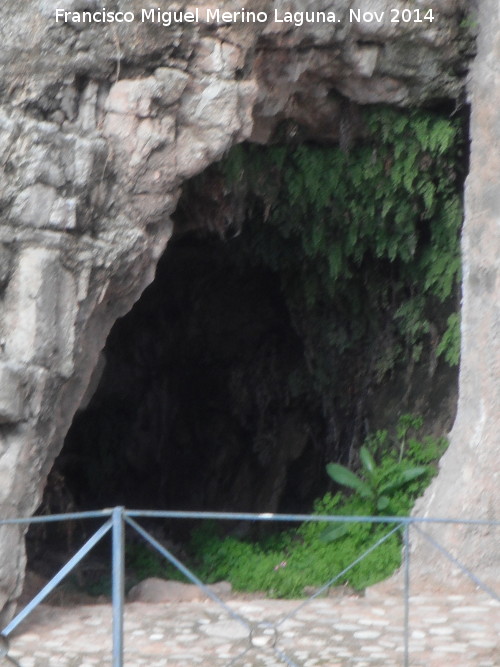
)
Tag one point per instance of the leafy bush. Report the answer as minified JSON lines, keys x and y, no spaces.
{"x":379,"y":483}
{"x":282,"y":565}
{"x":298,"y":559}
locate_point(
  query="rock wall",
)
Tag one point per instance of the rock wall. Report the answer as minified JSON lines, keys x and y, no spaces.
{"x":100,"y":124}
{"x":469,"y":478}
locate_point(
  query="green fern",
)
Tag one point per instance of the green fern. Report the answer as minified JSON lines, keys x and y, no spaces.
{"x":335,"y":219}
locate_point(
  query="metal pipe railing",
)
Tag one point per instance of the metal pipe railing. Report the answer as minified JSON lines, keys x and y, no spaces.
{"x":119,"y":517}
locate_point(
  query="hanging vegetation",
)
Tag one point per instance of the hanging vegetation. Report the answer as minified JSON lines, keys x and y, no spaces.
{"x":360,"y":235}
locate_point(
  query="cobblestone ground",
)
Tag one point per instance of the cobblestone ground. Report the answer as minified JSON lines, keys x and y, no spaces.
{"x":449,"y":629}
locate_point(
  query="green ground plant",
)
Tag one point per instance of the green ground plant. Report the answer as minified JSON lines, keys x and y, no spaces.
{"x":377,"y":484}
{"x":284,"y":564}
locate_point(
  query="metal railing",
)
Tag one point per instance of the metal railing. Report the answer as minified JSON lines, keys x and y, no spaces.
{"x":117,"y":518}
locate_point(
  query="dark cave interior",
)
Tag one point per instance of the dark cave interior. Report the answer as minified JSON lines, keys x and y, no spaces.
{"x":202,"y":357}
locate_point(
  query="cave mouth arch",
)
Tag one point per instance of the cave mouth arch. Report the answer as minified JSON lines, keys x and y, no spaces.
{"x":210,"y":395}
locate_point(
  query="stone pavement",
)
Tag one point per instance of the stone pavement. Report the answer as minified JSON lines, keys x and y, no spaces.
{"x":458,"y":629}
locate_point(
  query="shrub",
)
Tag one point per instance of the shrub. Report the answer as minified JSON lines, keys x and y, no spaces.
{"x":283,"y":565}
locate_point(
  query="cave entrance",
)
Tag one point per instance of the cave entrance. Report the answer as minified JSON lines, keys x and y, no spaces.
{"x":191,"y":410}
{"x":308,"y":297}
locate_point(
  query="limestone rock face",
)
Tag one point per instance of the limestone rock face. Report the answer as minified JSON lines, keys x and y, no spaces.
{"x":468,"y":483}
{"x":99,"y":126}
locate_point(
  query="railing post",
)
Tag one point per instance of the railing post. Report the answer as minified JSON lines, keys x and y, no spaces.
{"x":118,"y":576}
{"x":406,"y":574}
